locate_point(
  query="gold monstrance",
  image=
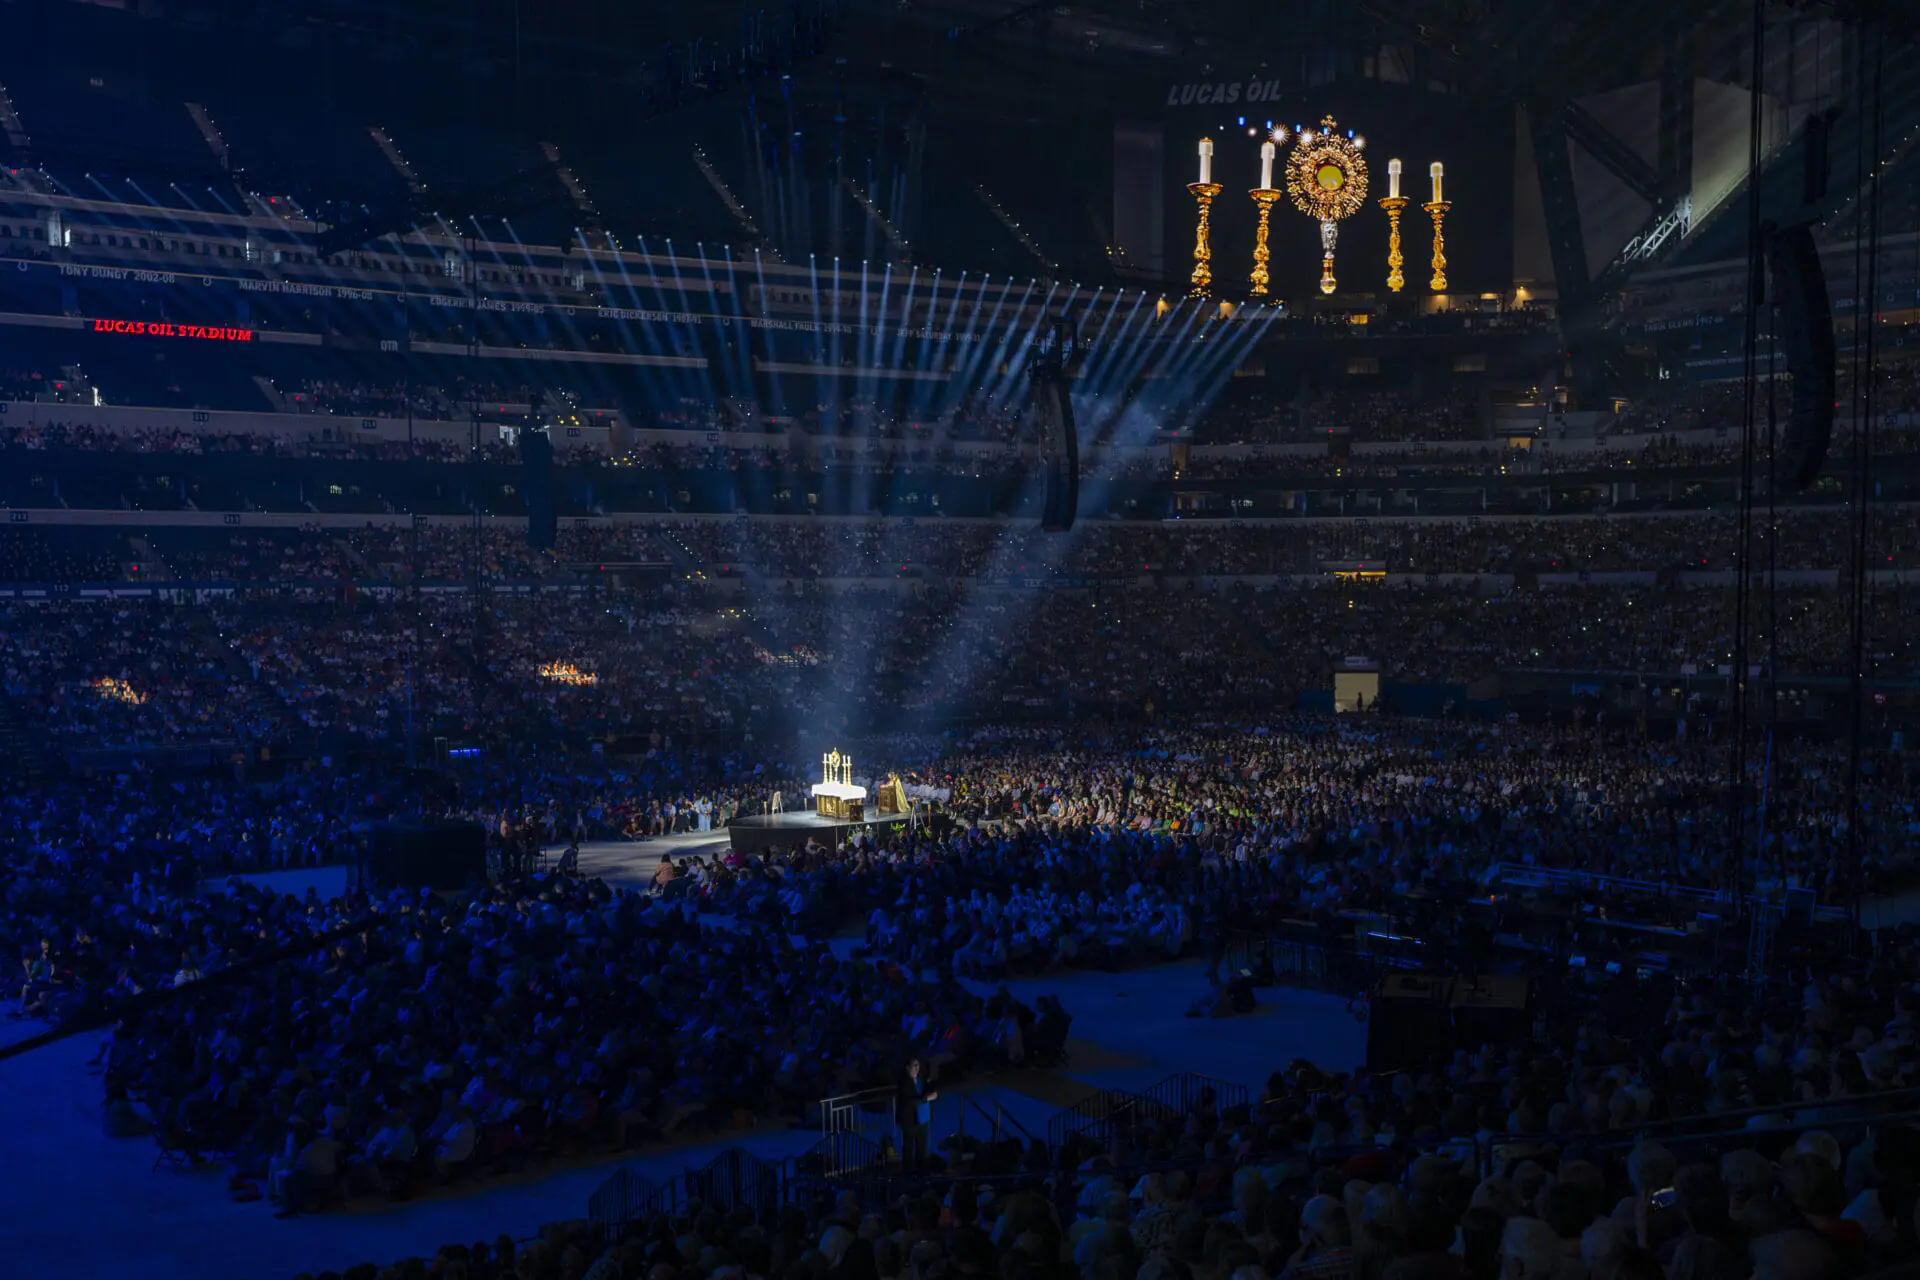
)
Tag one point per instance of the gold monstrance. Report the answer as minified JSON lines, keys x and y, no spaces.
{"x":1327,"y":179}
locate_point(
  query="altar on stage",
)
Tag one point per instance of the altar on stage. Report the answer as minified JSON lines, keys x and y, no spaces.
{"x":837,"y":795}
{"x":840,"y":811}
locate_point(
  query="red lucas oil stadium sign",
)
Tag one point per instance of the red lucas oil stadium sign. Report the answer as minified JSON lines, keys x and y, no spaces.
{"x":161,"y":329}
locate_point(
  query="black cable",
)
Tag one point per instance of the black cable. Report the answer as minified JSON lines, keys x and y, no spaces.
{"x":1731,"y":879}
{"x":1866,"y":300}
{"x":476,"y":467}
{"x":1773,"y":598}
{"x":416,"y":479}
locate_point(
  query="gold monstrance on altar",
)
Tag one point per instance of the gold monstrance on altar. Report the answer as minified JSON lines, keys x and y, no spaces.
{"x":1327,"y":180}
{"x":836,"y":795}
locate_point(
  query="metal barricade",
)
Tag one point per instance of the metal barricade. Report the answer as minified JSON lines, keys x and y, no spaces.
{"x":626,"y":1196}
{"x":735,"y":1179}
{"x":1186,"y":1091}
{"x":868,"y":1114}
{"x":1106,"y":1114}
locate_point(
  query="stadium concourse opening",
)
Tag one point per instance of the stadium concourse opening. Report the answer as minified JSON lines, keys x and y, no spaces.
{"x":1150,"y":641}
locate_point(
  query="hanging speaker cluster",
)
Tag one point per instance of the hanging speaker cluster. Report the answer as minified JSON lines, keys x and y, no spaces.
{"x":536,"y":479}
{"x":1053,"y":420}
{"x":1804,"y":320}
{"x":1060,"y":448}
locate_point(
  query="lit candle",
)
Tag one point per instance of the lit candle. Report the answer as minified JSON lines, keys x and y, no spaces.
{"x":1206,"y":161}
{"x":1437,"y":171}
{"x":1266,"y":165}
{"x":1393,"y":179}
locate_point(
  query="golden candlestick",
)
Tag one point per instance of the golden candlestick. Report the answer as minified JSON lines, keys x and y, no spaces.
{"x":1438,"y":208}
{"x":1395,"y":278}
{"x":1264,"y":197}
{"x":1203,"y":192}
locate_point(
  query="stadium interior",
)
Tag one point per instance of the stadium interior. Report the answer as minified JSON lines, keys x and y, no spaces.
{"x":960,"y":640}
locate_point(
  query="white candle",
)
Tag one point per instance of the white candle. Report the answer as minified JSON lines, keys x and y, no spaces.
{"x":1393,"y":179}
{"x":1266,"y":165}
{"x":1437,"y":171}
{"x":1206,"y":161}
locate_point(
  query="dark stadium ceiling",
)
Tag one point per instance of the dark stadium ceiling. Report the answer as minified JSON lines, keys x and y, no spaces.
{"x":1496,"y":48}
{"x":1519,"y":50}
{"x":1489,"y":41}
{"x":1490,"y":48}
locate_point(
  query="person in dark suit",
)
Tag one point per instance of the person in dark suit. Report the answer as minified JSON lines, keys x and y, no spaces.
{"x":913,"y":1099}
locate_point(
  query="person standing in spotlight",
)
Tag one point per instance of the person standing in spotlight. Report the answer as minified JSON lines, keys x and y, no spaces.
{"x":913,"y":1112}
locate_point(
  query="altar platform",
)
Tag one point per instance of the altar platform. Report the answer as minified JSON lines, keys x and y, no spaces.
{"x":789,"y":830}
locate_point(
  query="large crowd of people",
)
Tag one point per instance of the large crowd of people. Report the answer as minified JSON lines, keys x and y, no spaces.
{"x":123,"y":675}
{"x":1565,"y":1157}
{"x":1261,"y":416}
{"x":1406,"y":434}
{"x":323,"y":662}
{"x":384,"y":1043}
{"x":1795,"y":538}
{"x":409,"y":1041}
{"x":556,"y":1014}
{"x":1126,"y":773}
{"x":1123,"y":745}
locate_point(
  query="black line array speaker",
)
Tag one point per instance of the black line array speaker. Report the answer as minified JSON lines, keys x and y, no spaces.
{"x":1806,"y":339}
{"x":536,"y":480}
{"x":431,"y":855}
{"x":1060,"y":449}
{"x":1407,"y":1024}
{"x":1490,"y":1008}
{"x":1413,"y":1019}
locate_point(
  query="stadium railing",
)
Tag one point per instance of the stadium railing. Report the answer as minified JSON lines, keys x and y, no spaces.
{"x":737,"y":1179}
{"x":1561,"y":880}
{"x":868,"y":1113}
{"x":1105,"y":1115}
{"x":1185,"y":1091}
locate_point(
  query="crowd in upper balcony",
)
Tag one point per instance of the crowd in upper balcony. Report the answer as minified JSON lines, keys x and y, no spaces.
{"x":344,"y":670}
{"x":364,"y":400}
{"x":1343,"y":435}
{"x":1795,"y":538}
{"x":123,"y":675}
